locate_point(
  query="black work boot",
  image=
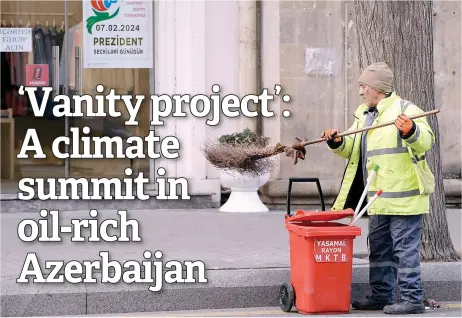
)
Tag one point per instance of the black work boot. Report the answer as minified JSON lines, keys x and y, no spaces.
{"x":370,"y":304}
{"x":404,"y":308}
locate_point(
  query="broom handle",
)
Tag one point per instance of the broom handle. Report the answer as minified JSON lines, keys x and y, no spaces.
{"x":355,"y":131}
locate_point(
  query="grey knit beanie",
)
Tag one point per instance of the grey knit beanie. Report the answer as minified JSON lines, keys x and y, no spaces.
{"x":379,"y":76}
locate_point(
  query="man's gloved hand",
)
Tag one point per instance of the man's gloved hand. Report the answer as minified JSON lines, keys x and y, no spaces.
{"x":330,"y":134}
{"x":296,"y":152}
{"x":404,"y":124}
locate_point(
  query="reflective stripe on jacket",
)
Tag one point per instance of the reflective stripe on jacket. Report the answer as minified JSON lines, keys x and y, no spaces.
{"x":397,"y":158}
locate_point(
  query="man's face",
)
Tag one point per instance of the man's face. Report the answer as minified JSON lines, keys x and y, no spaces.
{"x":370,"y":96}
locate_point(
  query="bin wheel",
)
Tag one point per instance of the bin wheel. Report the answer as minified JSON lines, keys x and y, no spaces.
{"x":286,"y":297}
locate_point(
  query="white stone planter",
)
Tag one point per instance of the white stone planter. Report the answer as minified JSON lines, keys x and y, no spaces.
{"x":244,"y":191}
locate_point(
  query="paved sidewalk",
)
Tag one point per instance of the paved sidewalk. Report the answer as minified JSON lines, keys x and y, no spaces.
{"x":221,"y":240}
{"x":247,"y":256}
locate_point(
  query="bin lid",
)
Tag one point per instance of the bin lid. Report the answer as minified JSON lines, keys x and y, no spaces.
{"x":312,"y":216}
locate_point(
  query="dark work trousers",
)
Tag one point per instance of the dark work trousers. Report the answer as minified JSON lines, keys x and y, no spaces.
{"x":394,"y":255}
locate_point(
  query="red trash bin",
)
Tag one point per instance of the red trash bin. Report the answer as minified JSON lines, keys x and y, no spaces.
{"x":321,"y":262}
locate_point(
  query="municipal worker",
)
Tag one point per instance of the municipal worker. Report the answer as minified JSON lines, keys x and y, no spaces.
{"x":395,"y":218}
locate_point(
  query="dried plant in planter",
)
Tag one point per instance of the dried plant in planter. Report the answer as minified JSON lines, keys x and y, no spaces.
{"x":244,"y":152}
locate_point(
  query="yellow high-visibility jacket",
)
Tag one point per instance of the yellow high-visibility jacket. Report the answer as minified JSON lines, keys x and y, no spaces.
{"x":403,"y":175}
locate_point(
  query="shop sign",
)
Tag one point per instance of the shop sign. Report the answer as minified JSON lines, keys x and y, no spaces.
{"x":330,"y":251}
{"x":37,"y":75}
{"x":117,"y":34}
{"x":16,"y":39}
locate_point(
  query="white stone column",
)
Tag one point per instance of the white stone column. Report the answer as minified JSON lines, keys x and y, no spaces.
{"x":165,"y":71}
{"x":222,"y":57}
{"x":180,"y":69}
{"x":247,"y":56}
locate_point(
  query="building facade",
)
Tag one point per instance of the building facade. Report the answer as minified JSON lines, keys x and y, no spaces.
{"x":307,"y":47}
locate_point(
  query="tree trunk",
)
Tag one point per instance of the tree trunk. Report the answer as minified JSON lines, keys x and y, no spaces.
{"x":400,"y":33}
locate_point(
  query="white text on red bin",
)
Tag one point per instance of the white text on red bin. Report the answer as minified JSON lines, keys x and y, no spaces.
{"x":330,"y":251}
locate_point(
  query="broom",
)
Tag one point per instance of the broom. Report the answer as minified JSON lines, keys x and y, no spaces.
{"x":256,"y":160}
{"x":299,"y":145}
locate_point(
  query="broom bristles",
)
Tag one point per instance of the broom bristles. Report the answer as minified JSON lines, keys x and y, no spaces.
{"x":246,"y":159}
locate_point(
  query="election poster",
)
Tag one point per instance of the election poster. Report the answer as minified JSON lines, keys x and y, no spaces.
{"x":117,"y":34}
